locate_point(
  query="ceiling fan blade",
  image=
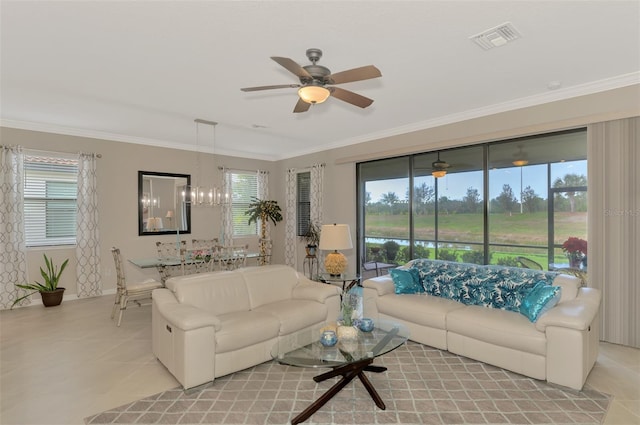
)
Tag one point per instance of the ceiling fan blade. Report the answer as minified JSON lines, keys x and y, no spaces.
{"x":292,"y":66}
{"x":301,"y":106}
{"x":350,"y":97}
{"x":279,"y":86}
{"x":355,"y":74}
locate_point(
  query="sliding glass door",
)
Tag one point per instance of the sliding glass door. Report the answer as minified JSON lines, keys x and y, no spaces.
{"x":496,"y":202}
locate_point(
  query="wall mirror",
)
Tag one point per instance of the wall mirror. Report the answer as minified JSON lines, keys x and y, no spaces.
{"x":161,"y":209}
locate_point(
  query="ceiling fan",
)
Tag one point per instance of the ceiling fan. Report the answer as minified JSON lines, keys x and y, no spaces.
{"x":316,"y":82}
{"x":439,"y":167}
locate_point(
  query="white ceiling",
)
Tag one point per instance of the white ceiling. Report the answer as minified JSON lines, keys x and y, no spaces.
{"x":141,"y":72}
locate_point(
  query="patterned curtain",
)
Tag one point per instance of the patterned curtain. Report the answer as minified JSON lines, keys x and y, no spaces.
{"x":263,"y":193}
{"x":13,"y":251}
{"x":87,"y":237}
{"x":317,"y":181}
{"x":290,"y":257}
{"x":226,"y":232}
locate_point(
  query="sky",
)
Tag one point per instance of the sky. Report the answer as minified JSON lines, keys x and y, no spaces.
{"x":454,"y":185}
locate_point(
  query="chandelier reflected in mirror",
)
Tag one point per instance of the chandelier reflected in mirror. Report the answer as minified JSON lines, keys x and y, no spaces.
{"x":200,"y":194}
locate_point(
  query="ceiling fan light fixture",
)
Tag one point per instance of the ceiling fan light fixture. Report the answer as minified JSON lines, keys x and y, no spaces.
{"x":520,"y":158}
{"x":520,"y":162}
{"x":438,"y":173}
{"x":314,"y":94}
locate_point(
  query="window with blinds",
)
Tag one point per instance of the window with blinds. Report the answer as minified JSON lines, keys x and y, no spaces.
{"x":50,"y":194}
{"x":303,"y":202}
{"x":244,"y":187}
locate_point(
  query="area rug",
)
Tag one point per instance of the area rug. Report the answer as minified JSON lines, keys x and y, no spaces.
{"x":423,"y":385}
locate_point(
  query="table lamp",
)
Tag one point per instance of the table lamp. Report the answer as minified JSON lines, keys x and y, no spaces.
{"x":169,"y":216}
{"x":335,"y":237}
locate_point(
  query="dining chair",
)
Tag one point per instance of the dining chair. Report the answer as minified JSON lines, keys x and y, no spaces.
{"x":528,"y":263}
{"x":196,"y":260}
{"x":232,"y":257}
{"x":170,"y":250}
{"x":126,"y":292}
{"x":204,"y":243}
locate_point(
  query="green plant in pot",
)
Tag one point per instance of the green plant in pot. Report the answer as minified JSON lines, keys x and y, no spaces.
{"x":49,"y":290}
{"x":312,"y":238}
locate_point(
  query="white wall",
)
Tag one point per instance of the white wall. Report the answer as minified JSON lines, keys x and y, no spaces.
{"x":118,"y":198}
{"x":117,"y":171}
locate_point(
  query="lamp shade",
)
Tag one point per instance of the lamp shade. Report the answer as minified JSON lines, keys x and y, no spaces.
{"x":335,"y":237}
{"x":313,"y":94}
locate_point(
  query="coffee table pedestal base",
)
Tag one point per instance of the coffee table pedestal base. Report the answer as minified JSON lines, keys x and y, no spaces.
{"x":348,"y":372}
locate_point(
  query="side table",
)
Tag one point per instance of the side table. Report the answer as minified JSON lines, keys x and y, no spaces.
{"x":310,"y":265}
{"x":348,"y":280}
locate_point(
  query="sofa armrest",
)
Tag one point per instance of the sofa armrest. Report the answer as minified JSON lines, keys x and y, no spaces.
{"x":314,"y":291}
{"x":182,"y":316}
{"x":382,"y":284}
{"x":578,"y":313}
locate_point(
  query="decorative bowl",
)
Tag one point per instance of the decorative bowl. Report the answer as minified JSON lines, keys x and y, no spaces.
{"x":366,"y":324}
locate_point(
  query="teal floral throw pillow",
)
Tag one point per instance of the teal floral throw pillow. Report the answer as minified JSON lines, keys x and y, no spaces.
{"x":406,"y":281}
{"x":541,"y":299}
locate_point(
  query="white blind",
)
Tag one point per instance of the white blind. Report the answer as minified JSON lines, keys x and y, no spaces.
{"x":244,"y":187}
{"x":50,"y":207}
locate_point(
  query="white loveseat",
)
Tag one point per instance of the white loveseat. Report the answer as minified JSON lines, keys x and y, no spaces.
{"x":561,"y":347}
{"x":211,"y":324}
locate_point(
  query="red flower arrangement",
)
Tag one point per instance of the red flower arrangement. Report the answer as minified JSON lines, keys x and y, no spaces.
{"x":574,"y":246}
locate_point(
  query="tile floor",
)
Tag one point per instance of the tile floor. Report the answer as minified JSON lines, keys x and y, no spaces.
{"x":62,"y":364}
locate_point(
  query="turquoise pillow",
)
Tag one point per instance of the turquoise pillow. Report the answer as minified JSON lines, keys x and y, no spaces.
{"x":406,"y":281}
{"x":541,"y":299}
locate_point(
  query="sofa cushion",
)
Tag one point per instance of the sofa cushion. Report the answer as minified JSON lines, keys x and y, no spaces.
{"x":261,"y":284}
{"x":406,"y":281}
{"x":438,"y":273}
{"x":489,"y":286}
{"x":569,"y":284}
{"x":542,"y":298}
{"x":294,"y":315}
{"x":216,"y":292}
{"x":499,"y":327}
{"x":243,"y":329}
{"x":420,"y":309}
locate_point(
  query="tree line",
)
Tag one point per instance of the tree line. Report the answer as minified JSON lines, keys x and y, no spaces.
{"x":424,"y":200}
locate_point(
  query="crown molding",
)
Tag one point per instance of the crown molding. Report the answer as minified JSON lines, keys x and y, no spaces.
{"x":114,"y":137}
{"x":525,"y":102}
{"x":535,"y":100}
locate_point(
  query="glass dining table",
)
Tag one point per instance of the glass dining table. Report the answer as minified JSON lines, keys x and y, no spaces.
{"x":163,"y":264}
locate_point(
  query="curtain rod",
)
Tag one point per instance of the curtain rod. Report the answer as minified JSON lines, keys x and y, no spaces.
{"x":221,"y":168}
{"x":98,"y":155}
{"x":307,"y":168}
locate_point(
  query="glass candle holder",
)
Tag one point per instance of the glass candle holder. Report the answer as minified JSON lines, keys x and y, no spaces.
{"x":328,"y":338}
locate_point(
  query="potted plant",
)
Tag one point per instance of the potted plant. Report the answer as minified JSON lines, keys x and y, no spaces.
{"x":49,"y":291}
{"x":312,"y":237}
{"x":264,"y":211}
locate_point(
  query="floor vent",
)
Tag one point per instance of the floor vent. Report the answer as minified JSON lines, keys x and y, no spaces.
{"x":497,"y":36}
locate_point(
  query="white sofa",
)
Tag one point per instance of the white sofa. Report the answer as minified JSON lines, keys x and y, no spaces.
{"x":211,"y":324}
{"x":561,"y":347}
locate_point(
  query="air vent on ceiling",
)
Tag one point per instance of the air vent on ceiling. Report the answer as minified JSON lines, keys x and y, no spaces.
{"x":497,"y":36}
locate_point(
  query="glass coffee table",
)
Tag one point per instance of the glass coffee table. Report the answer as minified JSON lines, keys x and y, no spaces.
{"x":349,"y":358}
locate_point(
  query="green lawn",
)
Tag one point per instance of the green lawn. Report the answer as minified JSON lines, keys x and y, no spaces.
{"x":529,"y":229}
